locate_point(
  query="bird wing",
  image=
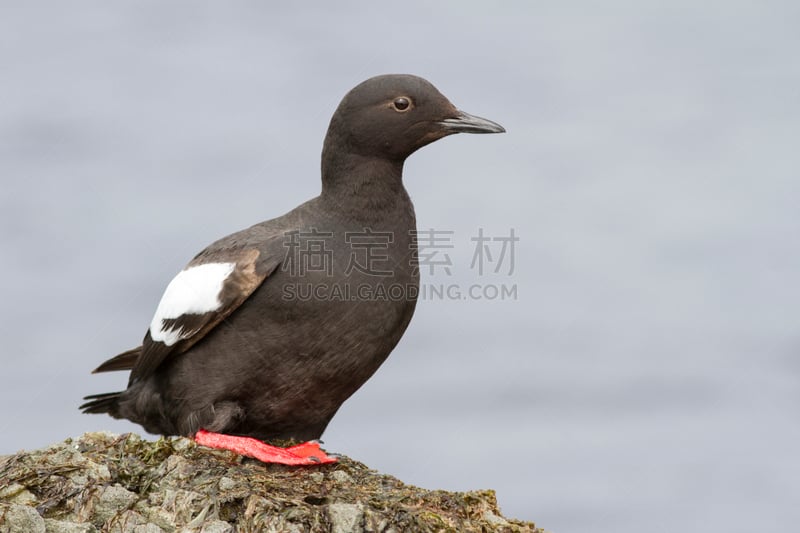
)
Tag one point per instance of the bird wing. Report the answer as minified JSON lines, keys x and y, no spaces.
{"x":211,"y":287}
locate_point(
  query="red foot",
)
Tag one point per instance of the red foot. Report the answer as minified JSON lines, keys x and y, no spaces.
{"x":308,"y":453}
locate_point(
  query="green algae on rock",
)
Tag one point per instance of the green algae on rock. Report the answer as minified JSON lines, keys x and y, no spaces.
{"x":105,"y":482}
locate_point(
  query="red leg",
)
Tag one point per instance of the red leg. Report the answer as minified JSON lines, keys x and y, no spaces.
{"x":308,"y":449}
{"x":308,"y":453}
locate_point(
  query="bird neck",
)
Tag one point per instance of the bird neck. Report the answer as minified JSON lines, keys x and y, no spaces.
{"x":362,"y":187}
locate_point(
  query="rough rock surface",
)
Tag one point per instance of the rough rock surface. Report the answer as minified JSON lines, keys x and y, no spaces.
{"x":104,"y":482}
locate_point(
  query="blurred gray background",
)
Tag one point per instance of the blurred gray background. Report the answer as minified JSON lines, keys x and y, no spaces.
{"x":647,"y":378}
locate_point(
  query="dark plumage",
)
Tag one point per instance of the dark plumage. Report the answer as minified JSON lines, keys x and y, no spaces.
{"x":236,"y":347}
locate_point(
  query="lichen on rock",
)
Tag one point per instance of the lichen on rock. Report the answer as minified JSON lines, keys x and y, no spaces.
{"x":122,"y":483}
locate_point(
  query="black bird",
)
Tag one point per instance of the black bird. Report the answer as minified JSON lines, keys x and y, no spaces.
{"x":266,"y":332}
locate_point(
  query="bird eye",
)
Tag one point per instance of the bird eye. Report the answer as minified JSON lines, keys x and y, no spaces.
{"x":401,"y":104}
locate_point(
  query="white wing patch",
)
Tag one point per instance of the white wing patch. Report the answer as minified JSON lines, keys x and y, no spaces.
{"x":193,"y":291}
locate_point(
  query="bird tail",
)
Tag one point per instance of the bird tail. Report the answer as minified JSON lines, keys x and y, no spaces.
{"x":108,"y":402}
{"x":123,"y":361}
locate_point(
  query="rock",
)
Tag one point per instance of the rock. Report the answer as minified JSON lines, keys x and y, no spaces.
{"x":346,"y":517}
{"x":17,"y":518}
{"x":216,"y":526}
{"x":62,"y":526}
{"x":113,"y":500}
{"x":16,"y":493}
{"x":340,"y":476}
{"x":148,"y":528}
{"x":124,"y":484}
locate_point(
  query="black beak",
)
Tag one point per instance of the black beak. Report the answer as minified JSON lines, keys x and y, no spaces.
{"x":466,"y":123}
